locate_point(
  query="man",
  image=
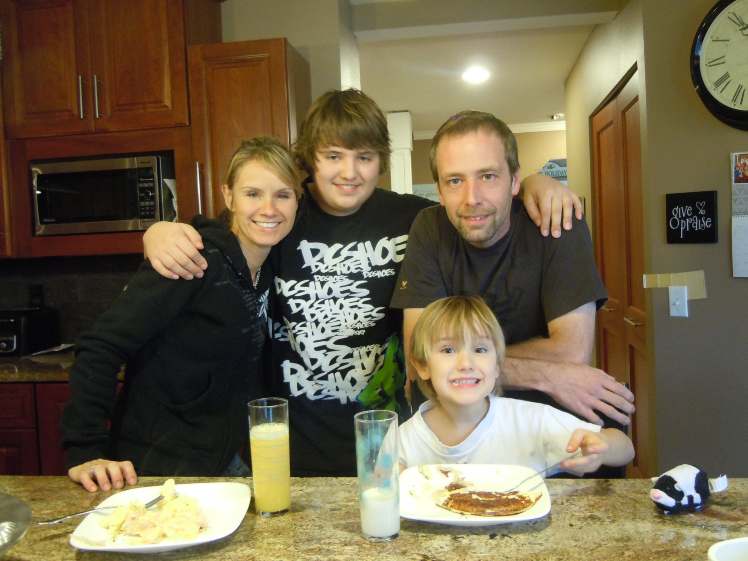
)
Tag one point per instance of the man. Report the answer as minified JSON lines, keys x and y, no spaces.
{"x":544,"y":291}
{"x":334,"y":337}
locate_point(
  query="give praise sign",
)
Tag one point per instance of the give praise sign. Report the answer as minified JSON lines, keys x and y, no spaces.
{"x":691,"y":217}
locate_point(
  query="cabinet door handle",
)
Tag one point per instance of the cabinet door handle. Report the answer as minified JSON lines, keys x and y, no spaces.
{"x":198,"y":188}
{"x":80,"y":96}
{"x":607,"y":308}
{"x":96,"y":96}
{"x":632,"y":322}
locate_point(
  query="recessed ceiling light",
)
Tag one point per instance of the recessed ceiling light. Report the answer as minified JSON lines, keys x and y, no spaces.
{"x":476,"y":75}
{"x":557,"y":117}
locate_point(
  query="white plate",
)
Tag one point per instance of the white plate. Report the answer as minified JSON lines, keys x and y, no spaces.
{"x":417,"y":493}
{"x":729,"y":550}
{"x":223,"y":504}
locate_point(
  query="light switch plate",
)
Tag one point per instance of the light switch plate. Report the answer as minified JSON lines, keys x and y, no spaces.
{"x":678,"y":301}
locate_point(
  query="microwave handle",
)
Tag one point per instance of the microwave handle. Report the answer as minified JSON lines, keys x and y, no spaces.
{"x":198,"y":188}
{"x":36,"y":172}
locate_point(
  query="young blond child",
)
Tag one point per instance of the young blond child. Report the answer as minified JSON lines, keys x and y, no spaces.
{"x":457,"y":349}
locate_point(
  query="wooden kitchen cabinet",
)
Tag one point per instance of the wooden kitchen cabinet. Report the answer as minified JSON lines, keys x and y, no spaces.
{"x":5,"y":225}
{"x":19,"y":450}
{"x":51,"y":399}
{"x":77,"y":66}
{"x":30,"y":439}
{"x":237,"y":91}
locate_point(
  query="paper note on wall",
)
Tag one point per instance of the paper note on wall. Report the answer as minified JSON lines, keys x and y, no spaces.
{"x":740,"y":246}
{"x":694,"y":280}
{"x":740,"y":214}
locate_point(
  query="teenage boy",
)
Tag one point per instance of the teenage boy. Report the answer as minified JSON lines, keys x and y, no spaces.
{"x":334,"y":337}
{"x":544,"y":291}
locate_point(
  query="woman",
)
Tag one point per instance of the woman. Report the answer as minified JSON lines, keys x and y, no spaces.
{"x":191,"y":349}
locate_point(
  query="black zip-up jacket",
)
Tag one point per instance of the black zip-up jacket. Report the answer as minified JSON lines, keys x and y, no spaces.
{"x":191,"y":351}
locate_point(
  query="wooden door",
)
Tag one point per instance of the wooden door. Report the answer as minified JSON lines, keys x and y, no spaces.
{"x":138,"y":71}
{"x":45,"y":67}
{"x":51,"y":399}
{"x":619,"y":245}
{"x":237,"y":90}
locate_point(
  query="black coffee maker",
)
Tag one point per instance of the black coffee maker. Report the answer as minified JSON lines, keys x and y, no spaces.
{"x":25,"y":330}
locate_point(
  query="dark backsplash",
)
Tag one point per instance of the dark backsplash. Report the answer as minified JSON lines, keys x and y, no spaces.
{"x":81,"y":288}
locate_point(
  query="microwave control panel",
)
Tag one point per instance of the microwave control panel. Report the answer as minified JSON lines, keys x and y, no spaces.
{"x":147,"y":199}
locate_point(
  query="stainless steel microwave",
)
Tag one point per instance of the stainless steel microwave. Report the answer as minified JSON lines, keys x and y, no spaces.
{"x":102,"y":194}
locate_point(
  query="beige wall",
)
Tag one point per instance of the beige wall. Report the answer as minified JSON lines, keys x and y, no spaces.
{"x":535,"y":149}
{"x":315,"y":33}
{"x":419,"y":160}
{"x":699,"y":362}
{"x":610,"y":51}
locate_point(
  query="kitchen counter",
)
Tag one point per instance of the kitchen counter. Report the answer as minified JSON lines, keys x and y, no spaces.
{"x":45,"y":368}
{"x":611,"y":520}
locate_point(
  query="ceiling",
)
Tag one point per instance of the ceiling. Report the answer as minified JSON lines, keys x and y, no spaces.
{"x":418,"y":67}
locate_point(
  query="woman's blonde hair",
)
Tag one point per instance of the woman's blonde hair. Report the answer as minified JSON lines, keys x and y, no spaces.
{"x":454,"y":317}
{"x":272,"y":154}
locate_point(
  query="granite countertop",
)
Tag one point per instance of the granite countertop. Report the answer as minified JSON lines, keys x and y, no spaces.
{"x":590,"y":520}
{"x":44,"y":368}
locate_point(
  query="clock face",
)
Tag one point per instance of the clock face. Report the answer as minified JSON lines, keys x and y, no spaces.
{"x":719,"y":62}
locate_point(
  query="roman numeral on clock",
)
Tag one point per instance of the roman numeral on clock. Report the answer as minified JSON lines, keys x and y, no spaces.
{"x":739,"y":95}
{"x":736,"y":19}
{"x":722,"y":81}
{"x":716,"y":61}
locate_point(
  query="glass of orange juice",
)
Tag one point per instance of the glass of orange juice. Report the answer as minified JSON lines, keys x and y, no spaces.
{"x":268,"y":445}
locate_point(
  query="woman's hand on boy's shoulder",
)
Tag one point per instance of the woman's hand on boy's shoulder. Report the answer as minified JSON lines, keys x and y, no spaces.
{"x":173,"y":250}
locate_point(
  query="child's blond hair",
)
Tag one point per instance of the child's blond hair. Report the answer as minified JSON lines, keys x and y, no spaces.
{"x":455,"y":317}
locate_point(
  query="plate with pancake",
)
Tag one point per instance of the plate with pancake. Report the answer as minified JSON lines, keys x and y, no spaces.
{"x":472,"y":494}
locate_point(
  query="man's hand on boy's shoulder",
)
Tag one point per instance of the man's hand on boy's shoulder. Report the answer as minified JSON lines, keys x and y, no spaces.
{"x":579,"y":388}
{"x":173,"y":249}
{"x":587,"y":390}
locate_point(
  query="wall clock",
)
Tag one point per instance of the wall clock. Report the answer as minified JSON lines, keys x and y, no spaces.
{"x":719,"y":62}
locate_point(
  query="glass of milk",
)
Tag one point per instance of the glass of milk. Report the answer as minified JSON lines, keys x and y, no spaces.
{"x":377,"y":447}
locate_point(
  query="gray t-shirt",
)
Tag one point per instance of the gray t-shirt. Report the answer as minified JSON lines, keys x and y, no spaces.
{"x":526,"y":279}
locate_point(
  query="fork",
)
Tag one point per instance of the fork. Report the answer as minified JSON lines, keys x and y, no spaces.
{"x":537,"y":474}
{"x":147,"y":505}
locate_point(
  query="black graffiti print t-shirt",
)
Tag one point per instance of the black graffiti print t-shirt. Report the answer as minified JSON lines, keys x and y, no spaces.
{"x":331,"y":322}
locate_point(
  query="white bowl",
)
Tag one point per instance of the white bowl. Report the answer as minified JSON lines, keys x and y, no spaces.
{"x":730,"y":550}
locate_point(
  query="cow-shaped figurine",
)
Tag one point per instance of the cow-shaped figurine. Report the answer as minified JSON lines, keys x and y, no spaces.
{"x":684,"y":487}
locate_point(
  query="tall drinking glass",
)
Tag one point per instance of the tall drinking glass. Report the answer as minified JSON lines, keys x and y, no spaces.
{"x":268,"y":445}
{"x":377,"y":447}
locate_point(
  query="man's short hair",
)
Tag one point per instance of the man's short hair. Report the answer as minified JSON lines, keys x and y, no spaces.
{"x":466,"y":122}
{"x":456,"y":317}
{"x":346,"y":118}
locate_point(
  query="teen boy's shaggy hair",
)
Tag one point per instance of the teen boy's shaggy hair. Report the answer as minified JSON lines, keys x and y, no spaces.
{"x":455,"y":317}
{"x":346,"y":118}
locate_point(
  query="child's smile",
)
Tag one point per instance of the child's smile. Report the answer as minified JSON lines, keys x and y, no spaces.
{"x":461,"y":371}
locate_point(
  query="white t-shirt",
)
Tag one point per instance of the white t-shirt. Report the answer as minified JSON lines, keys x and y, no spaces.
{"x":512,"y":432}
